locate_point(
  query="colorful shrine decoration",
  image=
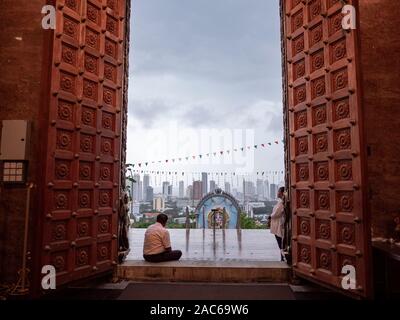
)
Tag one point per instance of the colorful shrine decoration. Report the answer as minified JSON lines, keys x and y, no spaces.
{"x":218,"y":210}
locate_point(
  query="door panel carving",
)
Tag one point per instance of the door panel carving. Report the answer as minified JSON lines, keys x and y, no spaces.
{"x":83,"y":153}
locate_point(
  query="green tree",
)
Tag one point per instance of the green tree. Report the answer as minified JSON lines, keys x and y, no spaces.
{"x":248,"y":223}
{"x":141,"y":224}
{"x":174,"y":225}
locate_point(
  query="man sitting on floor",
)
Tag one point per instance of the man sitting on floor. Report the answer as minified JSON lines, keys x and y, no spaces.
{"x":157,"y":245}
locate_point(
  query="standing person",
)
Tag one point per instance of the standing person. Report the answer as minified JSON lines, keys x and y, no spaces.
{"x":278,"y":220}
{"x":157,"y":244}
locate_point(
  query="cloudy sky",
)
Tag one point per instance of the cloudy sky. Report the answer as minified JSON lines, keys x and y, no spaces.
{"x":205,"y":76}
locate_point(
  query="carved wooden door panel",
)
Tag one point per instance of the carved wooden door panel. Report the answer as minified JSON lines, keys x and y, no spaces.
{"x":83,"y":153}
{"x":330,"y":227}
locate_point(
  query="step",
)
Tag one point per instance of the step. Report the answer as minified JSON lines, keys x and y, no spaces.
{"x":204,"y":271}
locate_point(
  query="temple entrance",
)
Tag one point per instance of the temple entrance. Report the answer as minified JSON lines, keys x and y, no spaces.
{"x":86,"y":155}
{"x":217,"y":178}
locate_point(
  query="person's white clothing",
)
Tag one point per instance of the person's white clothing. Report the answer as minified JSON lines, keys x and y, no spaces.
{"x":278,"y":219}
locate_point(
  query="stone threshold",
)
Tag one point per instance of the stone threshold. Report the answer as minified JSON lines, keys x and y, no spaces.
{"x":204,"y":271}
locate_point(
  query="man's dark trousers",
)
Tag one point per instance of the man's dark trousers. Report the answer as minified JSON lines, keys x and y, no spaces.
{"x":164,"y":256}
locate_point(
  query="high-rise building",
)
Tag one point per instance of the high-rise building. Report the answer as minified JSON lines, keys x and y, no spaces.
{"x":135,"y":188}
{"x":149,"y":194}
{"x":189,"y":192}
{"x":250,"y":188}
{"x":213,"y":186}
{"x":165,"y":188}
{"x":235,"y":192}
{"x":266,"y":190}
{"x":140,"y":191}
{"x":273,"y":191}
{"x":146,"y":183}
{"x":181,"y":189}
{"x":136,"y":209}
{"x":170,"y":190}
{"x":227,"y":187}
{"x":260,"y":189}
{"x":197,"y":190}
{"x":159,"y":203}
{"x":204,"y":180}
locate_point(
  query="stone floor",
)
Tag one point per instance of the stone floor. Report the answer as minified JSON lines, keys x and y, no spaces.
{"x":130,"y":290}
{"x":224,"y":245}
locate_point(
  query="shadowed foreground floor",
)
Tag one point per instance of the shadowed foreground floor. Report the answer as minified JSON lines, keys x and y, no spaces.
{"x":187,"y":291}
{"x":193,"y":291}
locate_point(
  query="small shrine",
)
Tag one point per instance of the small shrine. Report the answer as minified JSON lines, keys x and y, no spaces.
{"x":219,"y":210}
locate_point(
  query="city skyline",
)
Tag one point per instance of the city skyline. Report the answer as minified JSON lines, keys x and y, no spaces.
{"x":194,"y":189}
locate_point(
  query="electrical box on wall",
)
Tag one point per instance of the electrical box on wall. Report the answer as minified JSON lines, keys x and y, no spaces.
{"x":14,"y":139}
{"x":14,"y":150}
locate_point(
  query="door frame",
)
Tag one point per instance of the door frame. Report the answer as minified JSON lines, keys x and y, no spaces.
{"x":46,"y":85}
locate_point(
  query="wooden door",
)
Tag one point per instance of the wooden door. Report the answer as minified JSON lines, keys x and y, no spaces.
{"x":79,"y":221}
{"x":330,"y":225}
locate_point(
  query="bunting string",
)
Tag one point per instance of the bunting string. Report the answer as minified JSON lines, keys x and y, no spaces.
{"x":187,"y":158}
{"x":183,"y":173}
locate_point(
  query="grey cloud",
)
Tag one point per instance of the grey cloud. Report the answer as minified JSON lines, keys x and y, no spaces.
{"x":232,"y":46}
{"x":228,"y":40}
{"x":149,"y":111}
{"x":209,"y":115}
{"x":275,"y":124}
